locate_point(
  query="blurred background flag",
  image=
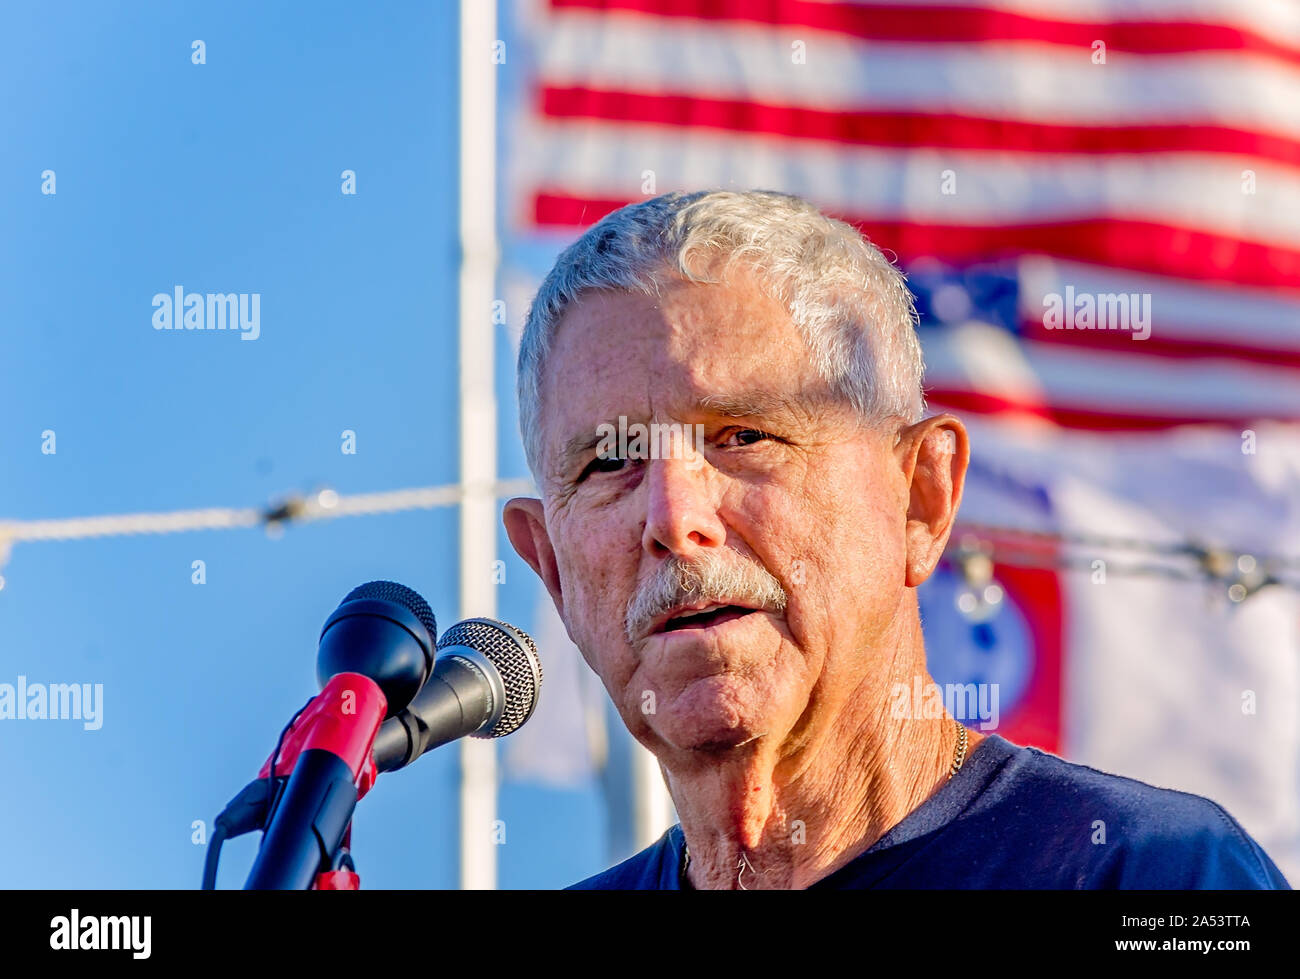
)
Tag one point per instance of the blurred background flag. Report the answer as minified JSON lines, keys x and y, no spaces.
{"x":566,"y":742}
{"x":1154,"y":135}
{"x":1122,"y":632}
{"x":1097,"y":203}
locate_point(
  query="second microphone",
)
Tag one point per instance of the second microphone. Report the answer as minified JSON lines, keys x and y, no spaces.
{"x":485,"y":684}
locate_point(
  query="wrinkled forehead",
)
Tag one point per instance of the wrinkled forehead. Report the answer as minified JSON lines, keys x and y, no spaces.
{"x":693,"y":350}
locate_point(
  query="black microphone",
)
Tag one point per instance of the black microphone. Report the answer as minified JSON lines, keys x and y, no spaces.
{"x":384,"y":631}
{"x":485,"y":683}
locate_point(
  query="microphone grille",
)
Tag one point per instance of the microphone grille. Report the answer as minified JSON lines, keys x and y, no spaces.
{"x":514,"y":654}
{"x":391,"y":591}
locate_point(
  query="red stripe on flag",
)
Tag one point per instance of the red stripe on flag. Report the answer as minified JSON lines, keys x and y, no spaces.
{"x":1159,"y":345}
{"x":1135,"y":418}
{"x":1138,"y":245}
{"x":947,"y":25}
{"x":907,"y":129}
{"x":565,"y":211}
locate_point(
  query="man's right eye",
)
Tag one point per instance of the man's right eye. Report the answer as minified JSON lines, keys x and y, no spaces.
{"x":602,"y":465}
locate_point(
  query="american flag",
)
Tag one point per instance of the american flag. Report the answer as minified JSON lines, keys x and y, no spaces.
{"x":1019,"y":157}
{"x":1007,"y":152}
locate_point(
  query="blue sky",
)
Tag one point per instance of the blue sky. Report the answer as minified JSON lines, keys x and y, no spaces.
{"x":225,"y":177}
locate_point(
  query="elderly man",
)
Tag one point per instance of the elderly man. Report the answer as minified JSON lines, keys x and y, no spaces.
{"x":739,"y":565}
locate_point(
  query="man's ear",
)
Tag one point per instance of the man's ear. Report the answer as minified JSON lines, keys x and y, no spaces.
{"x":935,"y":453}
{"x":525,"y":520}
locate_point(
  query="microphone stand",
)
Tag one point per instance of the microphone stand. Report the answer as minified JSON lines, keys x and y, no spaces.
{"x":376,"y":649}
{"x":344,"y":876}
{"x":315,"y":777}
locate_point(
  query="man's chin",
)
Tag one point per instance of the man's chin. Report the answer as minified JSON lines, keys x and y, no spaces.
{"x":711,"y":715}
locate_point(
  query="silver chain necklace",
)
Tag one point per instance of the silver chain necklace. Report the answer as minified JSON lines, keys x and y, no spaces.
{"x":958,"y":759}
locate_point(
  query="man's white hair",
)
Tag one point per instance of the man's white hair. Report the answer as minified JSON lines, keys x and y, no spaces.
{"x":847,"y":299}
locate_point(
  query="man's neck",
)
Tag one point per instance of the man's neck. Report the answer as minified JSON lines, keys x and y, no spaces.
{"x":757,"y":820}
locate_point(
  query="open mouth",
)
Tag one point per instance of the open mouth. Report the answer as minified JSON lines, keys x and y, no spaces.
{"x":706,"y":618}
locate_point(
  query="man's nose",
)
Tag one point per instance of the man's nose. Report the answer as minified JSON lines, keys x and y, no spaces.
{"x":681,"y":510}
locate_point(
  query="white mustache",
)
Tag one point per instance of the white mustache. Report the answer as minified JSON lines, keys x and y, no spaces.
{"x":710,"y":579}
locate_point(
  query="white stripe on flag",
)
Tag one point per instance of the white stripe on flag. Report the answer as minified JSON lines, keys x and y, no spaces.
{"x":1182,"y":308}
{"x":1045,"y":83}
{"x":1179,"y":189}
{"x":979,"y":357}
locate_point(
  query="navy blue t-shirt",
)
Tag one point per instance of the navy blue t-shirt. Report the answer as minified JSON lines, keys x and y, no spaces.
{"x":1016,"y":818}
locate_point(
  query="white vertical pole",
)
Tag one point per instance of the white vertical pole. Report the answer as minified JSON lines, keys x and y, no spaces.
{"x":478,"y":419}
{"x":652,"y":806}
